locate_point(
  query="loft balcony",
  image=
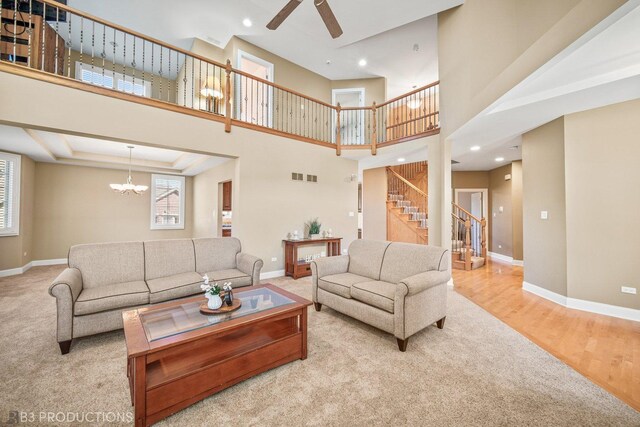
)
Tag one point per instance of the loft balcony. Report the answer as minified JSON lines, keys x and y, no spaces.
{"x":49,"y":41}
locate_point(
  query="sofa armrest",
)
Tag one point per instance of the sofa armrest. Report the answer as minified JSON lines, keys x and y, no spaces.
{"x":68,"y":283}
{"x":325,"y":267}
{"x":423,"y":281}
{"x":330,"y":265}
{"x":66,"y":288}
{"x":250,"y":265}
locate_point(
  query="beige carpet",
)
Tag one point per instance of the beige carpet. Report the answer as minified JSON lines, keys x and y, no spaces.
{"x":477,"y":371}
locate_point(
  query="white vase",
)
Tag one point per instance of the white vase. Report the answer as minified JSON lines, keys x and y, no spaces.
{"x":214,"y":302}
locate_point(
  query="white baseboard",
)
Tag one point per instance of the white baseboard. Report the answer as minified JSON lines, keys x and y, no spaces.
{"x":584,"y":305}
{"x":545,"y":293}
{"x":271,"y":274}
{"x":57,"y":261}
{"x":27,"y":266}
{"x":499,"y":257}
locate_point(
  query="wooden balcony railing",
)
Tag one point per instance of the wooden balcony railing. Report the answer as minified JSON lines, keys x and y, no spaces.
{"x":47,"y":40}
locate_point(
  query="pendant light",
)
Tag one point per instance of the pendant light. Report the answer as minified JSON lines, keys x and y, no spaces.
{"x":129,"y":186}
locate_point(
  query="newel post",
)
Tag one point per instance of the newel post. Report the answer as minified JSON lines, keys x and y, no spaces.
{"x":227,"y":101}
{"x":338,"y":141}
{"x":374,"y":130}
{"x":484,"y":238}
{"x":467,"y":244}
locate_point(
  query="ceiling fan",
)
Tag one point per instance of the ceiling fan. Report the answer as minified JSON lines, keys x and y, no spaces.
{"x":323,"y":9}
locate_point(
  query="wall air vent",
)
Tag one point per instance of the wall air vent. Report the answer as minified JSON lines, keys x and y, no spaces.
{"x":312,"y":178}
{"x":295,"y":176}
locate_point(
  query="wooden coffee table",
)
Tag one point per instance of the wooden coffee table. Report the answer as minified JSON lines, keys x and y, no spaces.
{"x":177,"y":356}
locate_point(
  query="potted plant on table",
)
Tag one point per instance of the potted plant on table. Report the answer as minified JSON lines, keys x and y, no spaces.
{"x":314,"y":228}
{"x":212,"y":293}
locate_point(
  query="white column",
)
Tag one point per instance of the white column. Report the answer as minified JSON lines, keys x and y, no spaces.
{"x":439,"y":192}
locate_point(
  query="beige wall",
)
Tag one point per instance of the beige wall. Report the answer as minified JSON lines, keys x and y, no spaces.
{"x":473,"y":179}
{"x":501,"y":236}
{"x":375,"y":89}
{"x":486,"y":47}
{"x":602,"y":202}
{"x":505,"y":228}
{"x":74,"y":205}
{"x":374,"y":204}
{"x":207,"y":199}
{"x":16,"y":251}
{"x":545,"y":244}
{"x":516,"y":211}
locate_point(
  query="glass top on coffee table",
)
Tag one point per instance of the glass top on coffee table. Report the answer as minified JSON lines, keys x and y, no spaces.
{"x":177,"y":319}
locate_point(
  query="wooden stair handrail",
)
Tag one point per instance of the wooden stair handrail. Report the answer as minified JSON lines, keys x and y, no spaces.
{"x":466,"y":211}
{"x":406,"y":182}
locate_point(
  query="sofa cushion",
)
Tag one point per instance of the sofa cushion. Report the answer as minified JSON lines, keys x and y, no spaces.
{"x":109,"y":297}
{"x":404,"y":260}
{"x":216,"y":253}
{"x":108,"y":263}
{"x":172,"y":287}
{"x":340,"y":284}
{"x":164,"y":258}
{"x":237,"y":278}
{"x":376,"y":293}
{"x":365,"y":258}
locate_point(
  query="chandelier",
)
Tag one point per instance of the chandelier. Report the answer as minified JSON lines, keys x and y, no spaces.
{"x":129,"y":186}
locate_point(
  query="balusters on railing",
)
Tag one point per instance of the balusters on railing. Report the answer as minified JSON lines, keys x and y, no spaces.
{"x":63,"y":41}
{"x":468,"y":236}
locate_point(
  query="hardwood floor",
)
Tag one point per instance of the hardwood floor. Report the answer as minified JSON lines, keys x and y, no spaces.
{"x":604,"y":349}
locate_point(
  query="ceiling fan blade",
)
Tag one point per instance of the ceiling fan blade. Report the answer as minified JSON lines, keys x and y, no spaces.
{"x":283,"y":14}
{"x":329,"y":18}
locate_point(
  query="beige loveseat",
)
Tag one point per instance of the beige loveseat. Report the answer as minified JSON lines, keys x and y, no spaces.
{"x":104,"y":279}
{"x":400,"y":288}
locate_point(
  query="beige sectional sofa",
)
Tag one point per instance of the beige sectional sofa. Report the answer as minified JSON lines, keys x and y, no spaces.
{"x":400,"y":288}
{"x":104,"y":279}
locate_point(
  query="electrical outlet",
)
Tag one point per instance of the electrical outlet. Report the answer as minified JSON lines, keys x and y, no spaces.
{"x":628,"y":290}
{"x":352,"y":214}
{"x":544,"y":215}
{"x":274,"y":259}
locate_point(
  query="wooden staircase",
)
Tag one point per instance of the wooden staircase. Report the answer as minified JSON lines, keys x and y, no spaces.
{"x":407,"y":203}
{"x":468,"y":239}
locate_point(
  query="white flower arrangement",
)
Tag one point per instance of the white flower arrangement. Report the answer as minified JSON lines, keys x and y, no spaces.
{"x":210,"y":289}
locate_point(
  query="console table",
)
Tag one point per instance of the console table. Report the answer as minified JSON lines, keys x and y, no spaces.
{"x":297,"y":269}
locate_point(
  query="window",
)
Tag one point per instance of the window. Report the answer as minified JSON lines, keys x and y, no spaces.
{"x":102,"y":77}
{"x":167,"y":202}
{"x":9,"y":194}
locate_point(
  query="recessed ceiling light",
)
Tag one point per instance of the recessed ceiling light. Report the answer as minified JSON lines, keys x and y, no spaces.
{"x":499,"y":159}
{"x":362,"y":62}
{"x":475,"y":148}
{"x":247,"y":22}
{"x":401,"y":159}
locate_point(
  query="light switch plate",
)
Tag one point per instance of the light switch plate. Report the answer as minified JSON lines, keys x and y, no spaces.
{"x":544,"y":215}
{"x":628,"y":290}
{"x":352,"y":214}
{"x":501,"y":209}
{"x":274,"y":259}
